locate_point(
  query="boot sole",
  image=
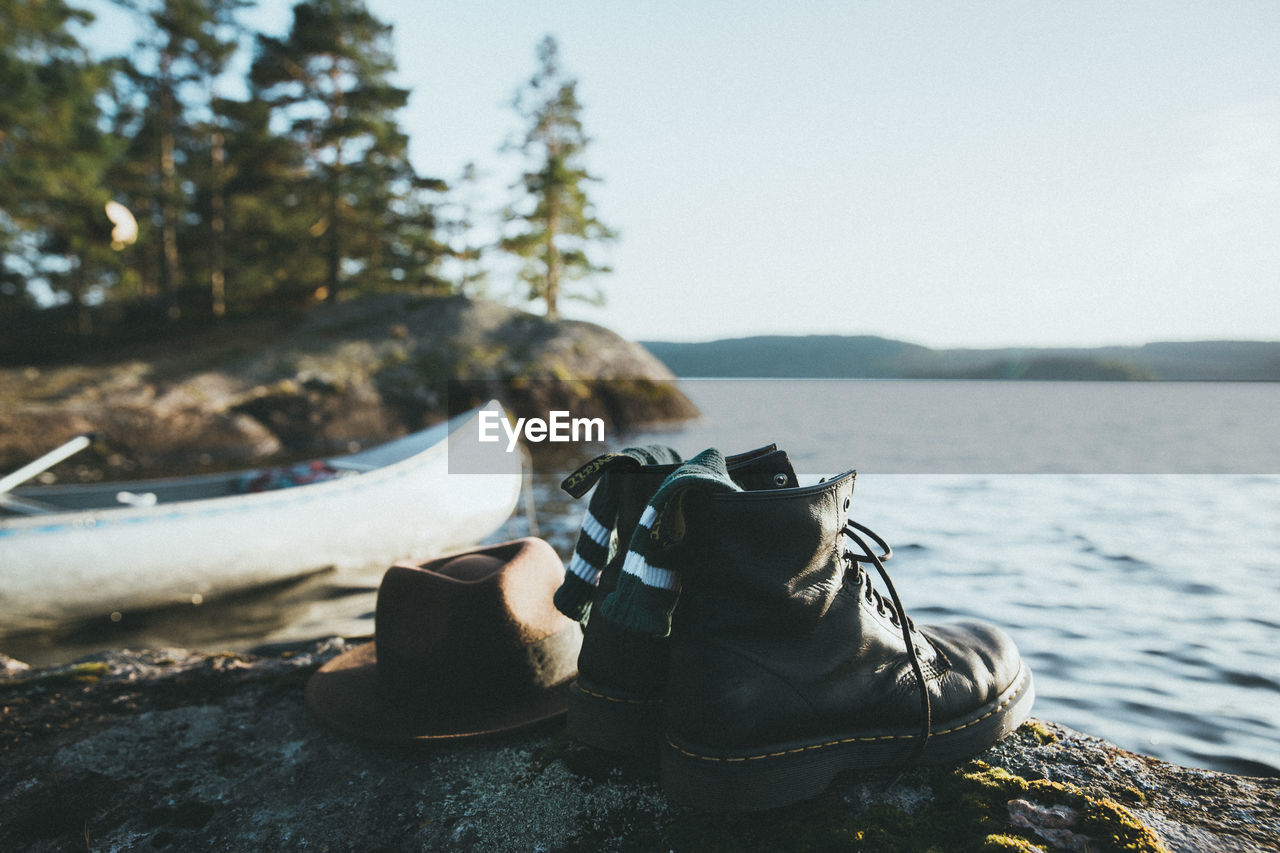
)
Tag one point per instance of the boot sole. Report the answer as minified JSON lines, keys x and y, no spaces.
{"x":627,"y":725}
{"x":781,"y":774}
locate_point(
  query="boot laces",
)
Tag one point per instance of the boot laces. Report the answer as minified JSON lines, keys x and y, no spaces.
{"x":898,"y":615}
{"x":869,"y":592}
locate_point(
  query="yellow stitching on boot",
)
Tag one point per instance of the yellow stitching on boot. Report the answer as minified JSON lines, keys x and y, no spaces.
{"x":596,"y":695}
{"x":814,"y":746}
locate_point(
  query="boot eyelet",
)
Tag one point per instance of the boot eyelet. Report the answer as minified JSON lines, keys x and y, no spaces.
{"x":779,"y":480}
{"x":847,"y":500}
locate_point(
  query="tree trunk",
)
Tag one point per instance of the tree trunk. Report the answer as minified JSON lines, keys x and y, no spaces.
{"x":552,"y":296}
{"x":553,"y":310}
{"x":79,"y":287}
{"x":335,"y":243}
{"x":218,"y":227}
{"x":554,"y":263}
{"x":170,"y":269}
{"x":335,"y":185}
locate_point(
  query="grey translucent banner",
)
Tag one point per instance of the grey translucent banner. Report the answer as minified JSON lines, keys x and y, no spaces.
{"x":967,"y":427}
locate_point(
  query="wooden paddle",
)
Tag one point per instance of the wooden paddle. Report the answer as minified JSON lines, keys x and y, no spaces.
{"x":44,"y":463}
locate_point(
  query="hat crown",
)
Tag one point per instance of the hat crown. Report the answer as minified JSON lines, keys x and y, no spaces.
{"x":475,"y":629}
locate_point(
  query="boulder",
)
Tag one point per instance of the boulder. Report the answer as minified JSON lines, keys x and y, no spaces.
{"x":345,"y":375}
{"x":175,"y":749}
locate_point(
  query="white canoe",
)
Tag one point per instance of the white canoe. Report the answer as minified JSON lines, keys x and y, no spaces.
{"x":87,"y":554}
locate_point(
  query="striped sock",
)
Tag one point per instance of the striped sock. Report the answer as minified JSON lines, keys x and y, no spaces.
{"x":595,"y":545}
{"x":649,"y":585}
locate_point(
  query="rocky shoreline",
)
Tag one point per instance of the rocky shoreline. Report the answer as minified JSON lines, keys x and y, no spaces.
{"x":175,"y":749}
{"x":273,"y":390}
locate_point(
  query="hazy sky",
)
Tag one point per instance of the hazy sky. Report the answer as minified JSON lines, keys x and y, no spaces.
{"x":969,"y":174}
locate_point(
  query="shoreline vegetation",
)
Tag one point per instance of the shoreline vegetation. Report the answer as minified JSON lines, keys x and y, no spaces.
{"x":284,"y":387}
{"x":872,"y":357}
{"x":299,"y":382}
{"x":126,"y":749}
{"x":140,"y":205}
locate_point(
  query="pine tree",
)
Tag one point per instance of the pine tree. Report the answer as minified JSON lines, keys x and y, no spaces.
{"x":169,"y":118}
{"x":328,"y":81}
{"x":465,"y":248}
{"x":554,"y":221}
{"x":54,"y":156}
{"x":269,"y":210}
{"x":213,"y":41}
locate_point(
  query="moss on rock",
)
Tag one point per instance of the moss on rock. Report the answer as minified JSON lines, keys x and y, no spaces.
{"x":1038,"y":730}
{"x":1110,"y":826}
{"x":196,"y":751}
{"x":1006,"y":843}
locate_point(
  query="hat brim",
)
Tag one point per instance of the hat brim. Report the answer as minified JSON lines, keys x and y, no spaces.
{"x":345,"y":694}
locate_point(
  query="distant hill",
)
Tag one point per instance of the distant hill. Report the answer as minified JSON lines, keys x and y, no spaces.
{"x":870,"y":357}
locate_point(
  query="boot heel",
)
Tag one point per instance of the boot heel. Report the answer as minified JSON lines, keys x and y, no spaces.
{"x":628,"y":726}
{"x":781,"y":774}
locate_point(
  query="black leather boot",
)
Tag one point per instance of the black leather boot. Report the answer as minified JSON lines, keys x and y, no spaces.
{"x":616,"y":702}
{"x":786,"y":666}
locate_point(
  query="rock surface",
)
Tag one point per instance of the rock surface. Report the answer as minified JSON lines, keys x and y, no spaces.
{"x":359,"y":371}
{"x":180,"y":750}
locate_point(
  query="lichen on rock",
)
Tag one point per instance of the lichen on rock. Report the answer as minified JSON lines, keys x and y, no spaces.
{"x":180,"y":749}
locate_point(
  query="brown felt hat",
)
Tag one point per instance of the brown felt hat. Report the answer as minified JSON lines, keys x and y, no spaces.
{"x":464,"y":646}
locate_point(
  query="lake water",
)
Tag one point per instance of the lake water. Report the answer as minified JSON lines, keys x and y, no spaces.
{"x":1148,"y":605}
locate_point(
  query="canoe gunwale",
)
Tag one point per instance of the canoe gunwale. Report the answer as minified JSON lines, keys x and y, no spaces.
{"x":221,"y":484}
{"x":67,"y":565}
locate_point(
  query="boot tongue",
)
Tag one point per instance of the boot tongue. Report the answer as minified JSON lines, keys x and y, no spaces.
{"x":771,"y":471}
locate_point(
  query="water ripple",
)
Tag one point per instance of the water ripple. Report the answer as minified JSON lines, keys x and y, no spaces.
{"x":1229,"y":763}
{"x":1249,"y":679}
